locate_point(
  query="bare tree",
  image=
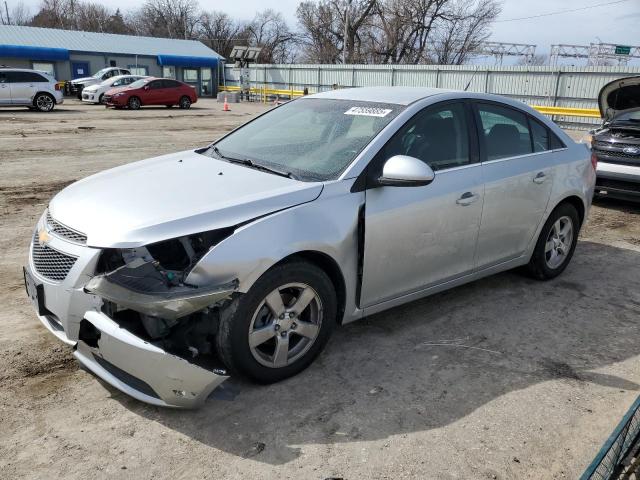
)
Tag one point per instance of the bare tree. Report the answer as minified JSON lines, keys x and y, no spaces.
{"x":320,"y":36}
{"x":403,"y":29}
{"x":220,"y":32}
{"x":270,"y":31}
{"x":166,"y":18}
{"x":355,"y":15}
{"x":336,"y":24}
{"x":92,"y":17}
{"x":54,"y":14}
{"x":19,"y":15}
{"x":464,"y":28}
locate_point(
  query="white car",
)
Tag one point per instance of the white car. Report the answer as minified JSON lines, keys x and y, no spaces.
{"x":95,"y":93}
{"x":29,"y":88}
{"x":79,"y":84}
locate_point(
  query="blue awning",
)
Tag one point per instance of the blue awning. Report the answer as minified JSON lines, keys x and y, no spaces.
{"x":34,"y":53}
{"x":183,"y":61}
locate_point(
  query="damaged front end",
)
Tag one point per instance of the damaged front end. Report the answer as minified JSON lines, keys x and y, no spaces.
{"x":154,"y":336}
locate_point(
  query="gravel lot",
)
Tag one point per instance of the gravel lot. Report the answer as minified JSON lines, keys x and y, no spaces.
{"x":552,"y":369}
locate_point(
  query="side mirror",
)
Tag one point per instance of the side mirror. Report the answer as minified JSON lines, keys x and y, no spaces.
{"x":146,"y":87}
{"x":405,"y":171}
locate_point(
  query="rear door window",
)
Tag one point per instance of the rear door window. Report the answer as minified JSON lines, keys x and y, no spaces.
{"x":505,"y":131}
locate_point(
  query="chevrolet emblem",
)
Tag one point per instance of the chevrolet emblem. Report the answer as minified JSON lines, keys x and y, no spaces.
{"x":43,"y":237}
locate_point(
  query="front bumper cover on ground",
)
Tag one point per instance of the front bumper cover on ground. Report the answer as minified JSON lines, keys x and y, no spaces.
{"x":141,"y":369}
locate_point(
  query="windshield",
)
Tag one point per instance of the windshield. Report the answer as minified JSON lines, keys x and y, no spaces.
{"x":138,"y":83}
{"x":99,"y":73}
{"x":315,"y":139}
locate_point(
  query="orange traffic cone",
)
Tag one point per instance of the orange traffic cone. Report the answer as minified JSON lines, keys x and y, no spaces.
{"x":225,"y":107}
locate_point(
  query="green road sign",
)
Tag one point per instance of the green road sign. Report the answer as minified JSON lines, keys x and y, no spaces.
{"x":623,"y":50}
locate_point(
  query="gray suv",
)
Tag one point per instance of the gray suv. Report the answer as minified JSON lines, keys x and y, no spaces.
{"x":28,"y":88}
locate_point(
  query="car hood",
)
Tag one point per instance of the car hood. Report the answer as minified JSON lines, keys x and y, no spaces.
{"x":114,"y":90}
{"x":171,"y":196}
{"x":617,"y":96}
{"x":84,"y":80}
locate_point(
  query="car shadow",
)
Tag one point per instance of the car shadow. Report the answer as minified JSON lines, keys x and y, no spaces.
{"x":429,"y":363}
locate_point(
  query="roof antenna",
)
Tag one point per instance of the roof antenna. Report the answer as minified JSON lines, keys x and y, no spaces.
{"x":471,"y":79}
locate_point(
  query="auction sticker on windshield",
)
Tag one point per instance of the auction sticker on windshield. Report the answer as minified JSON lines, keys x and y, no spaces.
{"x":369,"y":111}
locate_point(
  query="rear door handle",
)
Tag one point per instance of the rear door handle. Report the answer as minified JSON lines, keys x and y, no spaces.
{"x":467,"y":198}
{"x":540,"y":177}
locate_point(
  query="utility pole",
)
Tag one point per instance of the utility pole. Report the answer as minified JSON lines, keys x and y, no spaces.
{"x":346,"y":31}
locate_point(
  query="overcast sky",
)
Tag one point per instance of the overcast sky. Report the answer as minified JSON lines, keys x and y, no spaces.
{"x":612,"y":23}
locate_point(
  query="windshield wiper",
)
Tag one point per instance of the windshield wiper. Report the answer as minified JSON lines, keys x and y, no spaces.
{"x":250,"y":163}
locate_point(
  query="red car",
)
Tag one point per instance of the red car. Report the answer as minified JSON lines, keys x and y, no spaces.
{"x":151,"y":91}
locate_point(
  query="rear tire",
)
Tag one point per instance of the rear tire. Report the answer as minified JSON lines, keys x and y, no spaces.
{"x":101,"y":99}
{"x":43,"y":102}
{"x":184,"y":103}
{"x":556,"y":243}
{"x":287,"y":340}
{"x":134,"y":103}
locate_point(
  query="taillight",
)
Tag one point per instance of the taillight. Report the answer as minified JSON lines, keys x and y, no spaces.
{"x":594,"y":160}
{"x":58,"y":86}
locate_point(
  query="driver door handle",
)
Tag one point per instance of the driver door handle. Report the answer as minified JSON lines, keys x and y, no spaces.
{"x":540,"y":177}
{"x":467,"y":198}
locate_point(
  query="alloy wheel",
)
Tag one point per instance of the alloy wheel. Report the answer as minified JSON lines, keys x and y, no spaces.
{"x":44,"y":103}
{"x":285,"y":325}
{"x":559,"y":242}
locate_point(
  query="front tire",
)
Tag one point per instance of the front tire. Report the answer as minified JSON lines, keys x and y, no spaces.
{"x":556,"y":243}
{"x":134,"y":103}
{"x":280,"y":325}
{"x":185,"y":103}
{"x":43,"y":102}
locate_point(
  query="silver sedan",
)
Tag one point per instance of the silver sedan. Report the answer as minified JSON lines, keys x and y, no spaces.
{"x":169,"y":274}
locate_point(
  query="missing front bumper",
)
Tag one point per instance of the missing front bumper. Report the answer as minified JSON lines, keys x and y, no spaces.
{"x":141,"y":369}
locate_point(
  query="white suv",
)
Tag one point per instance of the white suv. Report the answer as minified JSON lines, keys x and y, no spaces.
{"x":29,"y":88}
{"x":79,"y":84}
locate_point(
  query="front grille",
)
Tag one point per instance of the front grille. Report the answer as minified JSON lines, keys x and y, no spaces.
{"x":51,"y":263}
{"x":65,"y":232}
{"x":613,"y":153}
{"x":600,"y":143}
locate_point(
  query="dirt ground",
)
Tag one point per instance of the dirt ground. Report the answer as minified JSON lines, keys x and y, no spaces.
{"x":505,"y":378}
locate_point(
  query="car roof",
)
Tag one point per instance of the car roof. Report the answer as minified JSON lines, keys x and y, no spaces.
{"x":397,"y":95}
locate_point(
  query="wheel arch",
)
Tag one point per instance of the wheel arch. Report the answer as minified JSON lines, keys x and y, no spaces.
{"x":329,"y":266}
{"x":577,"y":203}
